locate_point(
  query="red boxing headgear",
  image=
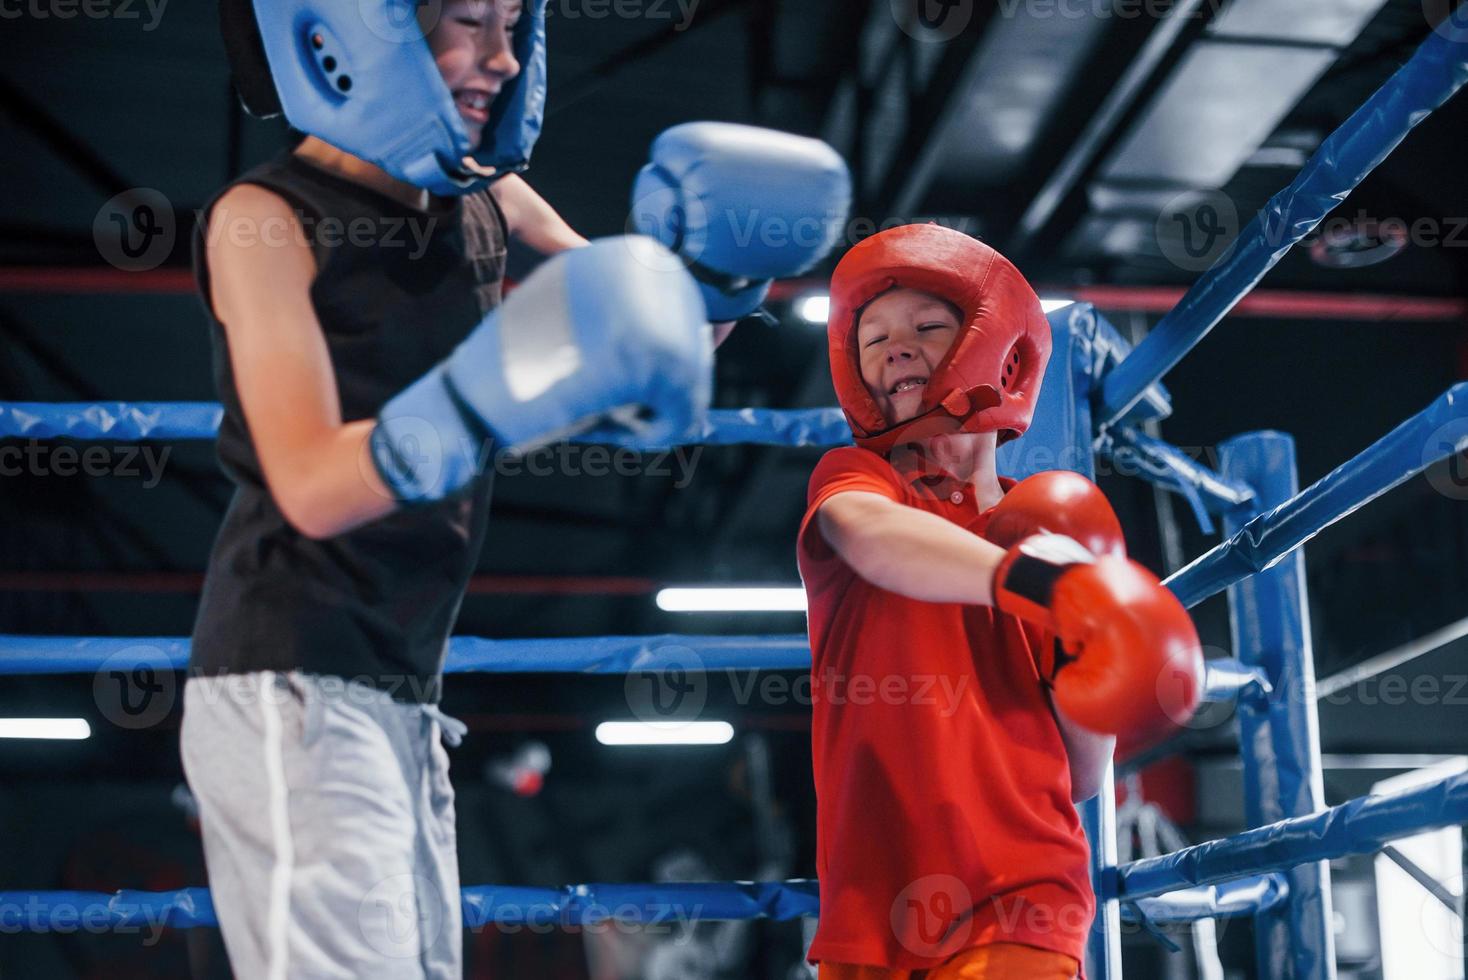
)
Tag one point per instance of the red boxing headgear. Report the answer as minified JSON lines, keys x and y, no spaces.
{"x":990,"y":379}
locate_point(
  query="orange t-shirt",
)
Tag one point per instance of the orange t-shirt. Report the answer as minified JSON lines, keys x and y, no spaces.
{"x":944,"y":818}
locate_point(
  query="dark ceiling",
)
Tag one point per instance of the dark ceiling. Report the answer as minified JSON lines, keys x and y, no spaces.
{"x":1060,"y":135}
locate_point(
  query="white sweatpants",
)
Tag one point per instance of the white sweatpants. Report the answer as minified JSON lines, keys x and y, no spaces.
{"x":328,"y":824}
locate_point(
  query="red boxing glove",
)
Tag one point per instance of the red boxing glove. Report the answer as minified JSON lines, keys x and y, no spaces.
{"x":1060,"y":502}
{"x":1129,"y":662}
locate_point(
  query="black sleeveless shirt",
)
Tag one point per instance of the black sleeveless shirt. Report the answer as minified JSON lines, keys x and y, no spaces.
{"x":396,"y":289}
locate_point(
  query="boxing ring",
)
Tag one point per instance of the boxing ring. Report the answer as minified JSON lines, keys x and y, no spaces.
{"x":1097,"y":397}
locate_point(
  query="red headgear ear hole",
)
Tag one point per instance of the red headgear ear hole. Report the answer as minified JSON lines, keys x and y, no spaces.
{"x":1011,"y":365}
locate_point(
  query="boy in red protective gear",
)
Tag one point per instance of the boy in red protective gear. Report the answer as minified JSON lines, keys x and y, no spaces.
{"x":977,"y":643}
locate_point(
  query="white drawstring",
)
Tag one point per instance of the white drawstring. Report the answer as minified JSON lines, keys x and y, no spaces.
{"x":450,"y":728}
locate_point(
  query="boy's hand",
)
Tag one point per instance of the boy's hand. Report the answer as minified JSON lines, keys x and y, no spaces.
{"x":742,"y":206}
{"x":1129,"y":661}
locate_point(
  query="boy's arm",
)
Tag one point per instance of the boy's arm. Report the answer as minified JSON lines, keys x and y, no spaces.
{"x":1087,"y":754}
{"x":920,"y":555}
{"x":909,"y":551}
{"x":531,"y":219}
{"x":315,"y":466}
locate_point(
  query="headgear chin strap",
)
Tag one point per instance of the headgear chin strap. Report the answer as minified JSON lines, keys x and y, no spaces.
{"x":989,"y":381}
{"x":359,"y":75}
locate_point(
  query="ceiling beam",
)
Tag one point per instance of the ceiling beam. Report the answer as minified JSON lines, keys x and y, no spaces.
{"x":78,"y":156}
{"x":592,"y":80}
{"x":931,"y":114}
{"x":1130,"y":89}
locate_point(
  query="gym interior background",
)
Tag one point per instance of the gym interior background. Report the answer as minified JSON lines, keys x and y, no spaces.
{"x":1077,"y":136}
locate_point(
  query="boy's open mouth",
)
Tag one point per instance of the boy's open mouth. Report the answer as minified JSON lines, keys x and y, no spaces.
{"x":474,"y":103}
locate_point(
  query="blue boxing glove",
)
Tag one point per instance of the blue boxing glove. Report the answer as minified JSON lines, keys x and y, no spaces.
{"x":612,"y":335}
{"x":742,"y":206}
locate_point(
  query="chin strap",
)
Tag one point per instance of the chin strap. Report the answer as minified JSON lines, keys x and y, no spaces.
{"x":472,"y":166}
{"x":962,"y":405}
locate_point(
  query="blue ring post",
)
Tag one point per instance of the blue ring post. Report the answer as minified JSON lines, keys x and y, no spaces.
{"x":1061,"y":437}
{"x":1098,"y":820}
{"x":1075,"y":334}
{"x":1280,"y":740}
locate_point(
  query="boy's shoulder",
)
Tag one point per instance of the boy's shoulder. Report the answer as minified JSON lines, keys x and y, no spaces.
{"x":253,"y":199}
{"x":848,"y":463}
{"x":842,"y":458}
{"x":270,"y":189}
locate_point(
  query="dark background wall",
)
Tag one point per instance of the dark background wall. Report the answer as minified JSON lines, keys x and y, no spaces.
{"x":974,"y":130}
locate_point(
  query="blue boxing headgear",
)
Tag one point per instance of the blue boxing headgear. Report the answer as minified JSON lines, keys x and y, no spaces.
{"x":359,"y":75}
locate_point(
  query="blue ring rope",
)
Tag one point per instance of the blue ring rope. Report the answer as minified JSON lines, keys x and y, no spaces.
{"x":137,"y":421}
{"x":511,"y":907}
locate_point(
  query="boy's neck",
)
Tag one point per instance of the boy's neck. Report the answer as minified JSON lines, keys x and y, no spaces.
{"x":966,"y":457}
{"x":333,"y":160}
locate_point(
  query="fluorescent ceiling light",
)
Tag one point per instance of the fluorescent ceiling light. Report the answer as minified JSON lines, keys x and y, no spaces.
{"x":813,"y":307}
{"x":732,"y":600}
{"x":664,"y":732}
{"x":55,"y":728}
